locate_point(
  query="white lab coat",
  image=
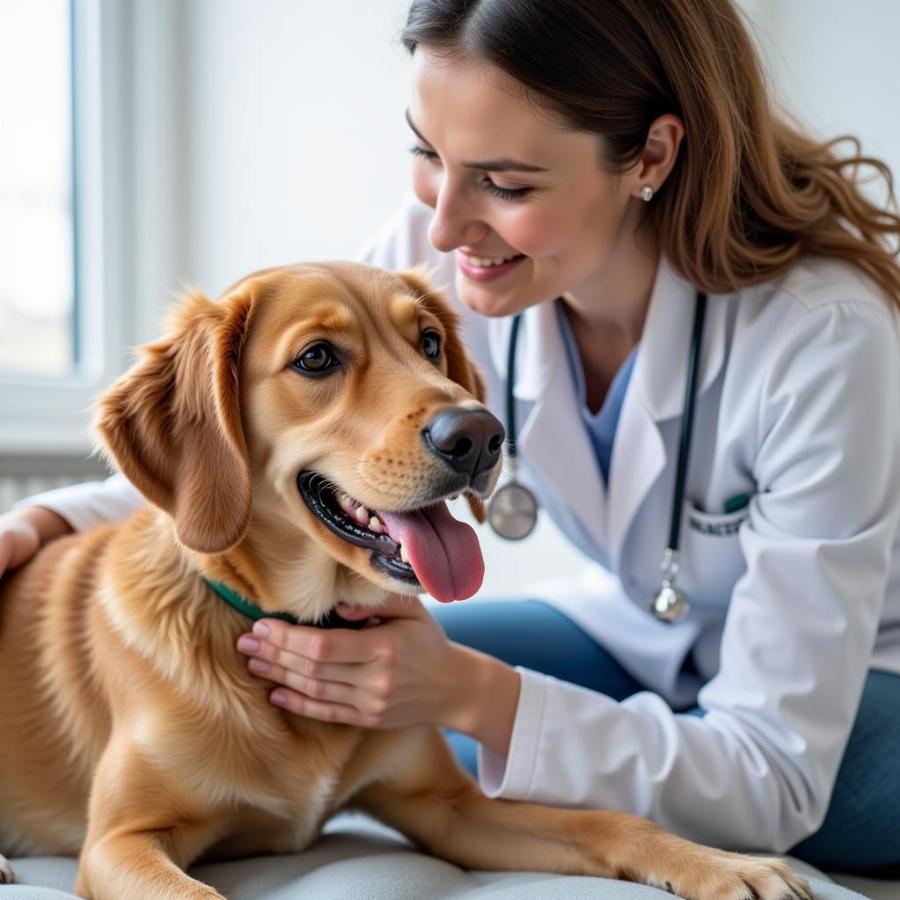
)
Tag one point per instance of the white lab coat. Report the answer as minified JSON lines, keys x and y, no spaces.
{"x":798,"y":407}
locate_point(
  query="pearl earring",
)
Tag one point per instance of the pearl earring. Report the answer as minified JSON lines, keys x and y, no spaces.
{"x":646,"y":193}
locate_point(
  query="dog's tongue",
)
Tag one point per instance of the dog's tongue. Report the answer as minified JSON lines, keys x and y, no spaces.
{"x":443,"y":552}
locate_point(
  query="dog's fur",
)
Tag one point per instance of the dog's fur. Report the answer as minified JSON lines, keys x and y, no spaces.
{"x":131,"y":731}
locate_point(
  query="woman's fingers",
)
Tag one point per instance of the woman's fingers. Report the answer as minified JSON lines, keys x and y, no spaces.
{"x":302,"y":666}
{"x":396,"y":607}
{"x":314,"y":709}
{"x":353,"y":613}
{"x":324,"y":700}
{"x":334,"y":645}
{"x":314,"y":688}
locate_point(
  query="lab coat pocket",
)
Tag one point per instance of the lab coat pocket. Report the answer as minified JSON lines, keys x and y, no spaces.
{"x":711,"y":557}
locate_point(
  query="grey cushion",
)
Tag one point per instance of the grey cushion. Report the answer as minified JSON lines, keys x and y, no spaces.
{"x":359,"y":859}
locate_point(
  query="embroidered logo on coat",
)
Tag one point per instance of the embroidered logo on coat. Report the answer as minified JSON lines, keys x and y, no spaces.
{"x":717,"y":529}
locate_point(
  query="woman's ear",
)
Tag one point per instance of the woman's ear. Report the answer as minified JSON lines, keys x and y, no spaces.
{"x":172,"y":424}
{"x":459,"y":367}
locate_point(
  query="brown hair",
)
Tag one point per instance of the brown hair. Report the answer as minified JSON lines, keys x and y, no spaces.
{"x":749,"y":193}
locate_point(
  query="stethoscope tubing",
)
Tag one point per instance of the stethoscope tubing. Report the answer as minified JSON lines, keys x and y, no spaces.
{"x":511,"y":433}
{"x":687,"y":423}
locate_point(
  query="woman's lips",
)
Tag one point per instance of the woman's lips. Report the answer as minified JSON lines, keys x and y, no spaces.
{"x":485,"y":273}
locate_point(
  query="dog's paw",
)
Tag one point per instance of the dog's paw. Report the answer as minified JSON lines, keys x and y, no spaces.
{"x":6,"y":872}
{"x":718,"y":875}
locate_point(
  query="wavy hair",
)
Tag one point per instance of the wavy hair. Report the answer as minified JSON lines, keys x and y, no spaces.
{"x":750,"y":193}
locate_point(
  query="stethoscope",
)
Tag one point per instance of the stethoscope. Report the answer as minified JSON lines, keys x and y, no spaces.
{"x":513,"y":509}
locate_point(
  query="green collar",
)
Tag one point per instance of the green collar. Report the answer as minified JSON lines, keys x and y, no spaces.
{"x":245,"y":606}
{"x":252,"y":611}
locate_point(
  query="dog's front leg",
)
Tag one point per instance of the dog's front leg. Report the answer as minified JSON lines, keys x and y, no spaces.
{"x":441,"y":808}
{"x":142,"y":833}
{"x":6,"y":872}
{"x":137,"y":867}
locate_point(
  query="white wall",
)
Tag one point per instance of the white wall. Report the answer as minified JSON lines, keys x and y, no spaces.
{"x":293,"y":144}
{"x":298,"y":137}
{"x":835,"y":65}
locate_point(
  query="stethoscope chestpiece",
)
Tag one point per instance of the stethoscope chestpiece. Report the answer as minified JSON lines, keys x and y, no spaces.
{"x":668,"y":604}
{"x":513,"y":511}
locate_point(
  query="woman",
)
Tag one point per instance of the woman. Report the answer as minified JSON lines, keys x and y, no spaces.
{"x":599,"y":167}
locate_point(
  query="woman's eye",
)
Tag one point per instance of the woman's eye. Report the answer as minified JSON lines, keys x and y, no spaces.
{"x":316,"y":359}
{"x":431,"y":344}
{"x":490,"y":186}
{"x":416,"y":150}
{"x":506,"y":193}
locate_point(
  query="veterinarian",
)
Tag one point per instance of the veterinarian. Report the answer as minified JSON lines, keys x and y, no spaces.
{"x":614,"y":172}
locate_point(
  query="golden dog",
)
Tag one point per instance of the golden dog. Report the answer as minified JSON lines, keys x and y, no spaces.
{"x":258,"y":429}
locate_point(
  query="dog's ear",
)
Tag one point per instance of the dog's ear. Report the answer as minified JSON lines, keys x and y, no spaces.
{"x":172,"y":424}
{"x":459,"y":367}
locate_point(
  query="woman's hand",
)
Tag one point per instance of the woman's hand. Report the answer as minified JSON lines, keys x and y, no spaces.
{"x":24,"y":531}
{"x":398,"y":670}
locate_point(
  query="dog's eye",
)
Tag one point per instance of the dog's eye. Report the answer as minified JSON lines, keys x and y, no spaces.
{"x":317,"y":359}
{"x":431,"y":344}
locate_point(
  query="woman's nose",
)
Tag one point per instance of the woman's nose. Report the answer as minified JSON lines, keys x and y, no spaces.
{"x":454,"y":223}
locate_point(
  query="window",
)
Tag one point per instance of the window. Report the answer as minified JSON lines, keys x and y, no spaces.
{"x":64,"y":232}
{"x":37,"y":235}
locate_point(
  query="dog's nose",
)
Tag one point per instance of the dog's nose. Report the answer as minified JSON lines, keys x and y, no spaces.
{"x":468,"y":440}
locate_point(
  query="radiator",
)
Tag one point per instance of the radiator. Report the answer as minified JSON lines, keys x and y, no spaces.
{"x":21,"y":477}
{"x":15,"y":488}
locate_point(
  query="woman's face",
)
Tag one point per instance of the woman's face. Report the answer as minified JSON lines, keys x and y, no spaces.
{"x":507,"y":183}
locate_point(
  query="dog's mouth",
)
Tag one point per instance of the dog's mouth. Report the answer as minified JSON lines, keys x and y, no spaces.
{"x":424,"y":547}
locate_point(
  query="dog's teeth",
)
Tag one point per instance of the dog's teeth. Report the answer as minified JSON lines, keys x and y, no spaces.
{"x":375,"y":525}
{"x":404,"y":556}
{"x":362,"y":515}
{"x":344,"y":501}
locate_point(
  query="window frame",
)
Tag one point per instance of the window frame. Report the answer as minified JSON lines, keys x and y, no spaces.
{"x":44,"y":415}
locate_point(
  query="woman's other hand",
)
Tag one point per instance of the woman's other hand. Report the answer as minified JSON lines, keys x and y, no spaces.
{"x":24,"y":531}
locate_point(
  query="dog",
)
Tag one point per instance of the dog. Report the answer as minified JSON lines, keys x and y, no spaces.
{"x":257,"y":429}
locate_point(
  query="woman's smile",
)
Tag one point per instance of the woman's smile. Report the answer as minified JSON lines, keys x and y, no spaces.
{"x":487,"y":268}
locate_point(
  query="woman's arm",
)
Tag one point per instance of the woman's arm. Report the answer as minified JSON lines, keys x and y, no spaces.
{"x":86,"y":505}
{"x":487,"y":700}
{"x":34,"y":521}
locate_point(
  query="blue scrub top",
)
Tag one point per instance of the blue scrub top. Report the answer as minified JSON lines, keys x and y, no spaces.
{"x":601,"y":426}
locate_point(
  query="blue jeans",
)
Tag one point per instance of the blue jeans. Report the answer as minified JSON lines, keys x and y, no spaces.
{"x":861,"y":831}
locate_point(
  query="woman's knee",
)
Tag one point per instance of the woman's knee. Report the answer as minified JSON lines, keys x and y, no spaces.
{"x":861,"y":830}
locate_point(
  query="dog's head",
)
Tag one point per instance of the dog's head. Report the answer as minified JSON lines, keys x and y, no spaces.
{"x":328,"y":401}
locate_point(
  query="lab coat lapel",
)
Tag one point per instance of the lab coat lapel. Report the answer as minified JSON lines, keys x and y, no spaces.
{"x":656,"y":393}
{"x":552,"y":436}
